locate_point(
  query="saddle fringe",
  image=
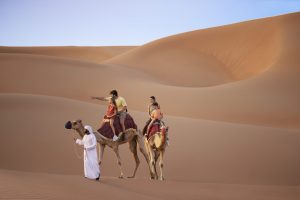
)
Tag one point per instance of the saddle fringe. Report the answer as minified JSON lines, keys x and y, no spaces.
{"x":105,"y":139}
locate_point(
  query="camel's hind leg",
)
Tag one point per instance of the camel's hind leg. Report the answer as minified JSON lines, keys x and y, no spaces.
{"x":142,"y":142}
{"x":116,"y":150}
{"x":102,"y":147}
{"x":133,"y":149}
{"x":161,"y":164}
{"x":157,"y":154}
{"x":151,"y":159}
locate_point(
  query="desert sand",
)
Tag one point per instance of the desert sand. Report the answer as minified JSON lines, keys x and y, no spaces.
{"x":230,"y":95}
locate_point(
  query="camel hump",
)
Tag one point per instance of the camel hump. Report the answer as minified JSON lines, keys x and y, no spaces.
{"x":107,"y":132}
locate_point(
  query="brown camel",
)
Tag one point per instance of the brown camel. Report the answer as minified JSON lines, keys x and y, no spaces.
{"x":131,"y":136}
{"x":155,"y":147}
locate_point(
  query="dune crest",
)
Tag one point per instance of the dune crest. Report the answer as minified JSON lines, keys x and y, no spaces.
{"x":211,"y":56}
{"x":91,"y":54}
{"x":270,"y":98}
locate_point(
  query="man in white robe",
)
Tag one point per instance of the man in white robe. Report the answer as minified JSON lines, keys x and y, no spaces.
{"x":91,"y":166}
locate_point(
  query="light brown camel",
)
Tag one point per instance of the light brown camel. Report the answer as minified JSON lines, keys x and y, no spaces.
{"x":155,"y":147}
{"x":131,"y":136}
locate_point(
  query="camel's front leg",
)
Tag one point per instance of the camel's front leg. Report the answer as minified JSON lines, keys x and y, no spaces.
{"x":133,"y":149}
{"x":161,"y":164}
{"x":116,"y":150}
{"x":151,"y":160}
{"x":102,"y":147}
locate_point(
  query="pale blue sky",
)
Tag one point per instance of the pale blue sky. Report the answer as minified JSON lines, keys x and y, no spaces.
{"x":122,"y":22}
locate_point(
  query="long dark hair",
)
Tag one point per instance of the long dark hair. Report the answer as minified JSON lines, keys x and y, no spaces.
{"x":113,"y":100}
{"x":155,"y":104}
{"x":153,"y":97}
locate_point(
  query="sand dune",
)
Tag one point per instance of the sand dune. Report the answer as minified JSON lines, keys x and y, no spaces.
{"x":269,"y":98}
{"x":230,"y":95}
{"x":220,"y":152}
{"x":211,"y":56}
{"x":93,"y":54}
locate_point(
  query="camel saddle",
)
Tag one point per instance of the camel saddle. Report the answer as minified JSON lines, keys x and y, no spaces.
{"x":107,"y":132}
{"x":156,"y":128}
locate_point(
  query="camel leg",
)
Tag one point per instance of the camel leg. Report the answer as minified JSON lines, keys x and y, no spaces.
{"x":133,"y":149}
{"x":102,"y":147}
{"x":147,"y":151}
{"x":151,"y":160}
{"x":143,"y":148}
{"x":157,"y":154}
{"x":161,"y":164}
{"x":116,"y":150}
{"x":141,"y":142}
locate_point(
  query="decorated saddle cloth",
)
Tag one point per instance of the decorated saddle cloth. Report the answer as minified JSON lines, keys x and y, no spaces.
{"x":157,"y":126}
{"x":107,"y":132}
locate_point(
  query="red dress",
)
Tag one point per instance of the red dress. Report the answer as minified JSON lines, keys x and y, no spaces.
{"x":110,"y":111}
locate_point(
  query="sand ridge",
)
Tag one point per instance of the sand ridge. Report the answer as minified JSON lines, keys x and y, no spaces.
{"x":92,"y":54}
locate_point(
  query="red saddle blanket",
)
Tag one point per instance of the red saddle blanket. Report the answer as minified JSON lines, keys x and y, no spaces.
{"x":106,"y":130}
{"x":154,"y":129}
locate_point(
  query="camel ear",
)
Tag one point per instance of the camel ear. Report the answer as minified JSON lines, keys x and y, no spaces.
{"x":80,"y":121}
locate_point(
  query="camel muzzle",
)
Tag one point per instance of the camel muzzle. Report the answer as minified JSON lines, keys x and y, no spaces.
{"x":68,"y":125}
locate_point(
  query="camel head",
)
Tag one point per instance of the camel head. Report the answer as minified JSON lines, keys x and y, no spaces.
{"x":76,"y":124}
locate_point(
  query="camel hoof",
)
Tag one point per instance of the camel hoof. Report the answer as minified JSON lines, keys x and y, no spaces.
{"x":121,"y":177}
{"x":130,"y":176}
{"x":162,"y":179}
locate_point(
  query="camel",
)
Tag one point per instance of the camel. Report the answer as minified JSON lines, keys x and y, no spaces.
{"x":155,"y":147}
{"x":131,"y":136}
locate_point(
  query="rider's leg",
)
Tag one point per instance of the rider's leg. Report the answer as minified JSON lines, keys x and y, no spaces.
{"x":122,"y":120}
{"x":111,"y":122}
{"x":146,"y":126}
{"x":149,"y":126}
{"x":102,"y":123}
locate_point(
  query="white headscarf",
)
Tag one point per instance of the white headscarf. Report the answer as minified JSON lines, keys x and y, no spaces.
{"x":89,"y":128}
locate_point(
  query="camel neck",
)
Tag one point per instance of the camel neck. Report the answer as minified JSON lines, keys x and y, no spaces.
{"x":80,"y":131}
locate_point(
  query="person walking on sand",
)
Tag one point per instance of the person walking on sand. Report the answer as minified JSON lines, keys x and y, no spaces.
{"x":91,"y":166}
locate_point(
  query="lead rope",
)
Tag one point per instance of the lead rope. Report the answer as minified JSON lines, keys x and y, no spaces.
{"x":75,"y":147}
